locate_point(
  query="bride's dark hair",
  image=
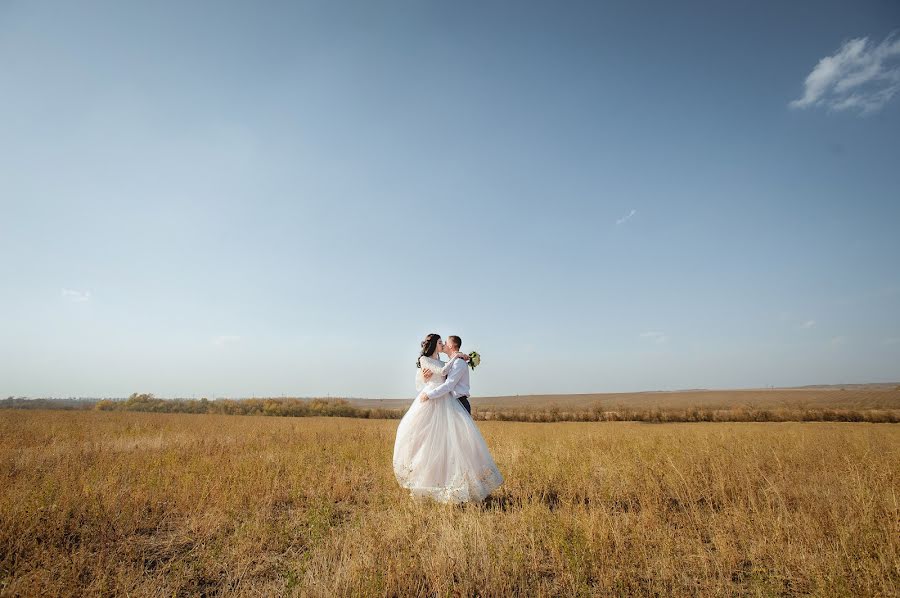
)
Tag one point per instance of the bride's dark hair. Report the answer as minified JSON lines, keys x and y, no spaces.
{"x":429,"y":345}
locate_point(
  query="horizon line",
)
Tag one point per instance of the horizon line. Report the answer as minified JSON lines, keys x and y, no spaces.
{"x":539,"y":394}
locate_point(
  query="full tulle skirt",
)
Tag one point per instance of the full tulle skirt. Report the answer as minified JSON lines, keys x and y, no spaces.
{"x":440,"y":453}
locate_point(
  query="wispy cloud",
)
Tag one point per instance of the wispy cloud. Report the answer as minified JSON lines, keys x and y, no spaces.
{"x":837,"y":341}
{"x":76,"y":296}
{"x":861,"y":75}
{"x":626,"y":217}
{"x":225,"y":339}
{"x":659,"y":337}
{"x":808,"y":324}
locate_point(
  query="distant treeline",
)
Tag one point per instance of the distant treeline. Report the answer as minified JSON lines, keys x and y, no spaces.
{"x":65,"y":404}
{"x":693,"y":414}
{"x":283,"y":407}
{"x":294,"y":407}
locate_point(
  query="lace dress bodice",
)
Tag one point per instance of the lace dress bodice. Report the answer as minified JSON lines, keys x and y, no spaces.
{"x":435,"y":365}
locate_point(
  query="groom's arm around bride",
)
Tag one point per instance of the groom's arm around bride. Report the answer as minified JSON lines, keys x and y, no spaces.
{"x":457,"y":371}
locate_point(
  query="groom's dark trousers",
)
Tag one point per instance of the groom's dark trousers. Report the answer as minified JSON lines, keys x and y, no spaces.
{"x":465,"y":403}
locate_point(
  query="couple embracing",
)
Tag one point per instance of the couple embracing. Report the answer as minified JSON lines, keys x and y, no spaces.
{"x":439,"y":451}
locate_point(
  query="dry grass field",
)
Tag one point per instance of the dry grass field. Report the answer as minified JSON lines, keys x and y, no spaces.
{"x":149,"y":504}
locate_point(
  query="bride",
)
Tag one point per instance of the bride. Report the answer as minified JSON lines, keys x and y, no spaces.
{"x":439,"y":451}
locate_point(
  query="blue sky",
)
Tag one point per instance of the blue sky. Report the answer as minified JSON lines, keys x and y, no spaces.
{"x":228,"y":199}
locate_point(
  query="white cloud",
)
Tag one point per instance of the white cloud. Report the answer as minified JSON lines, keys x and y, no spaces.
{"x":860,"y":75}
{"x":808,"y":324}
{"x":625,"y":218}
{"x":659,"y":337}
{"x":76,"y":296}
{"x":225,"y":339}
{"x":837,"y":341}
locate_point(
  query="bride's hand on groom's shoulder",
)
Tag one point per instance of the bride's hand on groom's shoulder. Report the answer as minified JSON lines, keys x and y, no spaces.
{"x":463,"y":356}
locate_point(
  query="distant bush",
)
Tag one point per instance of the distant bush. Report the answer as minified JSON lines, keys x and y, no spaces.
{"x":282,"y":407}
{"x":321,"y":407}
{"x":692,"y":414}
{"x":26,"y":403}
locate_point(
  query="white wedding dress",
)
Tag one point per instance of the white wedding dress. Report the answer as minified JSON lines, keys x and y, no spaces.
{"x":439,"y":451}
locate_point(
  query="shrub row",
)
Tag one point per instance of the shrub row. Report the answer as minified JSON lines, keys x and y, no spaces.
{"x":294,"y":407}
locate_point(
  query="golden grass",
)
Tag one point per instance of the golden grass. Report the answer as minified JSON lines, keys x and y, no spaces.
{"x":96,"y":502}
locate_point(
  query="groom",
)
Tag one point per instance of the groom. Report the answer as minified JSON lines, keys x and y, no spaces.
{"x":457,"y":372}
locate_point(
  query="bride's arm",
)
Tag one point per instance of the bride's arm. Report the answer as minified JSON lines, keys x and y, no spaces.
{"x":446,"y":369}
{"x":428,"y":373}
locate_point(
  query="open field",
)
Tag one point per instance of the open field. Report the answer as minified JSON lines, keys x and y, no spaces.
{"x":175,"y":504}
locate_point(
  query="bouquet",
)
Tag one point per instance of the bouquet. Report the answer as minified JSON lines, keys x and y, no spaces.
{"x":474,"y":359}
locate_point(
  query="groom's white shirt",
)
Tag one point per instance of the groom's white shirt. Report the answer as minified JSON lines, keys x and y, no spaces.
{"x":457,"y":382}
